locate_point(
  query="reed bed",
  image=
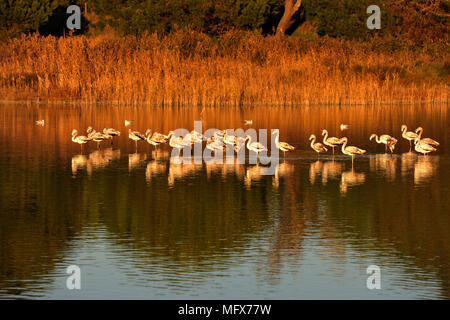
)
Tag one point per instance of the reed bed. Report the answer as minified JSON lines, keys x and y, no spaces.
{"x":237,"y":68}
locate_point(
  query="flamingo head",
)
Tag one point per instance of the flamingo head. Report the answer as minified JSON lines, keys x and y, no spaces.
{"x":419,"y":129}
{"x":313,"y":136}
{"x":147,"y":132}
{"x":404,"y":128}
{"x":373,"y":136}
{"x":74,"y":132}
{"x":344,"y":140}
{"x":324,"y":132}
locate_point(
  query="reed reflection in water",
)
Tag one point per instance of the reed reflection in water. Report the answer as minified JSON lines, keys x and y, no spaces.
{"x":143,"y":226}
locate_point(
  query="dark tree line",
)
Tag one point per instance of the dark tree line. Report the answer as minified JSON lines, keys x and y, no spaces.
{"x":417,"y":19}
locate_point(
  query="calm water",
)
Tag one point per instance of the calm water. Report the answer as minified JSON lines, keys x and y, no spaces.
{"x":141,"y":227}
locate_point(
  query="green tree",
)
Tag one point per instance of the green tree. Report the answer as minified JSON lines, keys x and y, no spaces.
{"x":23,"y":15}
{"x":135,"y":17}
{"x":346,"y":18}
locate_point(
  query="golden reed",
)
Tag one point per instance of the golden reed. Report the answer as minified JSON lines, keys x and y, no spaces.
{"x":237,"y":68}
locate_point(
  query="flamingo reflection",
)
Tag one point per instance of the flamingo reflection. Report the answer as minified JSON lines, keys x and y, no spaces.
{"x":384,"y":165}
{"x":425,"y":169}
{"x":154,"y":168}
{"x":135,"y":160}
{"x":351,"y":179}
{"x":95,"y":160}
{"x":282,"y":170}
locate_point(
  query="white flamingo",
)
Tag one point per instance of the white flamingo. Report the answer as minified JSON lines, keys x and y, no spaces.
{"x":330,"y":141}
{"x":255,"y":146}
{"x":317,"y":146}
{"x":79,"y":139}
{"x":283,"y":146}
{"x":386,"y":139}
{"x":408,"y":135}
{"x":423,"y":147}
{"x":136,"y":136}
{"x":351,"y":150}
{"x":429,"y":141}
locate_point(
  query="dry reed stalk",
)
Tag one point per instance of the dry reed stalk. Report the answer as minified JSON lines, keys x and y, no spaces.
{"x":192,"y":69}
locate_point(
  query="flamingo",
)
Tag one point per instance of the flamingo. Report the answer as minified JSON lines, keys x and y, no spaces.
{"x":214,"y":144}
{"x":255,"y":146}
{"x":423,"y":147}
{"x":283,"y":146}
{"x":229,"y":139}
{"x":176,"y":142}
{"x":317,"y":146}
{"x":192,"y":137}
{"x":90,"y":131}
{"x":111,"y":132}
{"x":79,"y":139}
{"x":408,"y":135}
{"x":386,"y":139}
{"x":135,"y":136}
{"x":99,"y":137}
{"x":239,"y":143}
{"x":330,"y":141}
{"x":197,"y":137}
{"x":150,"y":139}
{"x":40,"y":123}
{"x":351,"y":150}
{"x":429,"y":141}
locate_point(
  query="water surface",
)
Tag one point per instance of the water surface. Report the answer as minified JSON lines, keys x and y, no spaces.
{"x":142,"y":227}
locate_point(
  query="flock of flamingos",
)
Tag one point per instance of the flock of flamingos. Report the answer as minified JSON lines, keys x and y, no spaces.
{"x":221,"y":139}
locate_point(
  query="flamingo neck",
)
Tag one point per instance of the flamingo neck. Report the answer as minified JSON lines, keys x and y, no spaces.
{"x":344,"y":145}
{"x":325,"y":136}
{"x":313,"y":141}
{"x":377,"y":139}
{"x":419,"y":133}
{"x":249,"y":141}
{"x":277,"y":138}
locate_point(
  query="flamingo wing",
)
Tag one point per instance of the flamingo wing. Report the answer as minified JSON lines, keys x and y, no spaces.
{"x":429,"y":141}
{"x":355,"y":150}
{"x":333,"y":140}
{"x":285,"y":145}
{"x":258,"y":146}
{"x":320,"y":147}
